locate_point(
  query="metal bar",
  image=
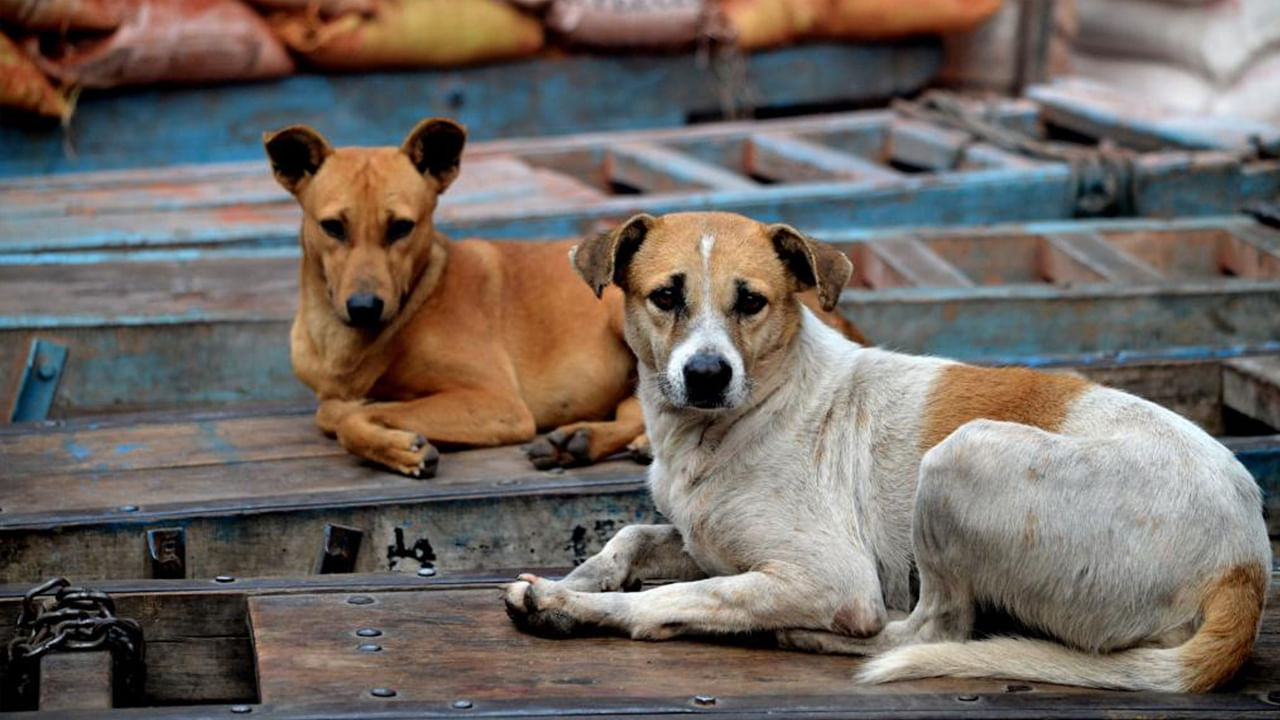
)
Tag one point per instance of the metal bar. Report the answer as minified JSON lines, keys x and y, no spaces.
{"x":654,"y":168}
{"x":918,"y":264}
{"x":1107,"y":260}
{"x":924,"y":146}
{"x":785,"y":157}
{"x":38,"y":385}
{"x":76,"y":681}
{"x":1035,"y":32}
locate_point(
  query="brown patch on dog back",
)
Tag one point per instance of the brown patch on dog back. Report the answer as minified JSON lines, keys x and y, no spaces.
{"x":962,"y":393}
{"x":1232,"y":608}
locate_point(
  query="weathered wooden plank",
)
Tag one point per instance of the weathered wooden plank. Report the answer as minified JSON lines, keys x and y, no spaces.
{"x":912,"y":260}
{"x":921,"y":145}
{"x":76,"y":681}
{"x":1101,"y":112}
{"x":543,"y":96}
{"x":654,"y":168}
{"x":1104,"y":259}
{"x":787,"y":158}
{"x":1251,"y":386}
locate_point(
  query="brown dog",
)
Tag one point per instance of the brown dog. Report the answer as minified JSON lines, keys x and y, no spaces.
{"x":409,"y":339}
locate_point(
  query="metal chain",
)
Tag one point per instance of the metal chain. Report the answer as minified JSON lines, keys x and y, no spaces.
{"x":78,"y":619}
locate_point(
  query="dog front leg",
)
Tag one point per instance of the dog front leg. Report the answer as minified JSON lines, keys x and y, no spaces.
{"x":764,"y":599}
{"x":399,"y":434}
{"x":637,"y":553}
{"x":584,"y":443}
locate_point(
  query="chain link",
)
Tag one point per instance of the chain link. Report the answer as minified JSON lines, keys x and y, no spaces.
{"x":74,"y":620}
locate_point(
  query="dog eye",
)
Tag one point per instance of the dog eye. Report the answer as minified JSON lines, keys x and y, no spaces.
{"x":398,"y":229}
{"x":334,"y":229}
{"x":749,"y":303}
{"x":665,"y":299}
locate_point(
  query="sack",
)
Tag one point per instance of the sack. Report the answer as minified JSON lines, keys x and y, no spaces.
{"x":327,"y":8}
{"x":62,"y":14}
{"x":628,"y":23}
{"x":23,"y":86}
{"x":413,"y":33}
{"x":987,"y":56}
{"x":763,"y":23}
{"x":176,"y":41}
{"x":1218,"y":39}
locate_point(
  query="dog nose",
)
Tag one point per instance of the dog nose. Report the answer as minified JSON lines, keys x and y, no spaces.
{"x":364,"y":309}
{"x":706,"y":376}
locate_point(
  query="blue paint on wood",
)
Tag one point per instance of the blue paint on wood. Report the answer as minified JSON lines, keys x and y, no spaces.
{"x":545,"y":96}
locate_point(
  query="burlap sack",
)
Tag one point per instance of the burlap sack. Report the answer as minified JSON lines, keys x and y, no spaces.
{"x":24,"y":87}
{"x":763,"y":23}
{"x":629,"y":23}
{"x":171,"y":41}
{"x":326,"y":8}
{"x":63,"y":14}
{"x":413,"y":33}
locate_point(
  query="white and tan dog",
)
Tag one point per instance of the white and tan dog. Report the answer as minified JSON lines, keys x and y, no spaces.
{"x":805,"y":478}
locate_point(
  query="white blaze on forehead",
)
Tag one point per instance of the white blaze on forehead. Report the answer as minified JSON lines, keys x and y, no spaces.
{"x":708,"y":333}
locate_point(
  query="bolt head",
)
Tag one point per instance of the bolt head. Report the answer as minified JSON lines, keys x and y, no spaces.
{"x":370,"y":647}
{"x":704,"y":700}
{"x":967,"y":698}
{"x":46,"y":371}
{"x":382,"y":692}
{"x":224,"y":578}
{"x":368,"y":632}
{"x":241,"y":709}
{"x":462,"y":704}
{"x":128,"y":508}
{"x":426,"y":572}
{"x":359,"y":600}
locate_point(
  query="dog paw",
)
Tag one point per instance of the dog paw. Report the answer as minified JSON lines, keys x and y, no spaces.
{"x":802,"y":640}
{"x":640,"y":450}
{"x":537,"y":606}
{"x":408,"y":453}
{"x":560,"y":449}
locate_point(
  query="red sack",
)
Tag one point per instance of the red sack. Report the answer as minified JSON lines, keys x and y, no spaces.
{"x":63,"y":14}
{"x":171,"y":41}
{"x":23,"y":86}
{"x":413,"y":33}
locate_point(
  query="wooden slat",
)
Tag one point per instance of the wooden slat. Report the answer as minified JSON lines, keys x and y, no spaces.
{"x":986,"y":155}
{"x":913,"y":260}
{"x":1102,"y":112}
{"x":1251,"y":386}
{"x":654,"y":168}
{"x":1105,"y":259}
{"x":788,"y":158}
{"x":1252,"y":251}
{"x":924,"y":146}
{"x":76,"y":681}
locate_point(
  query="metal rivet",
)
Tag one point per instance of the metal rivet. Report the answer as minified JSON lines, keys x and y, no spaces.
{"x":704,"y":700}
{"x":369,"y":632}
{"x":241,"y":709}
{"x":462,"y":704}
{"x":223,"y":578}
{"x":556,"y":471}
{"x":128,"y":508}
{"x":370,"y":647}
{"x":1017,"y":688}
{"x":967,"y":698}
{"x":360,"y":600}
{"x":426,"y":572}
{"x":382,"y":692}
{"x":46,"y":371}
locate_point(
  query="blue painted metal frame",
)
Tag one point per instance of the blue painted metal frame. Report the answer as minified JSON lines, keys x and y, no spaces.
{"x":544,"y":96}
{"x":38,"y":385}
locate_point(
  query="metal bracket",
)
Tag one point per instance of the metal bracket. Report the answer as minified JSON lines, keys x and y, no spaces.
{"x":45,"y":362}
{"x":340,"y":550}
{"x":167,"y":549}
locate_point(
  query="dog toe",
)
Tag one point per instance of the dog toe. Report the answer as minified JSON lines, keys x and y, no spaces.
{"x":542,"y":453}
{"x":535,"y":607}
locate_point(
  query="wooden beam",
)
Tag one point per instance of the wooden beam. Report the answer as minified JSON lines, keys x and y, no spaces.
{"x":785,"y":157}
{"x":1251,"y":386}
{"x":922,"y":145}
{"x":654,"y":169}
{"x":76,"y":681}
{"x":917,"y":264}
{"x":1108,"y":261}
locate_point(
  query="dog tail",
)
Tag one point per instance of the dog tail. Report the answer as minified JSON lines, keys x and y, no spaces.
{"x":1231,"y":611}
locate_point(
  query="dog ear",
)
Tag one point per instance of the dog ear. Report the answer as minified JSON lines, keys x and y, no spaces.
{"x":296,"y":153}
{"x":434,"y":146}
{"x":603,"y":259}
{"x":813,"y":264}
